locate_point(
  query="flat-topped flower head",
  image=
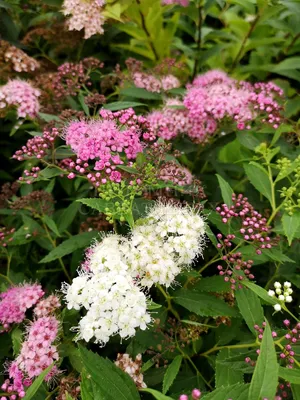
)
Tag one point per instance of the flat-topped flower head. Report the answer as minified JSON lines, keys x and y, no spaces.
{"x":114,"y":305}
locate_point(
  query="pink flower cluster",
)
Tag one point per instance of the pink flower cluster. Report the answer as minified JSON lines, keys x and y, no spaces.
{"x":196,"y":394}
{"x":183,"y":3}
{"x":293,"y":337}
{"x":84,"y":14}
{"x":37,"y":353}
{"x":16,"y":301}
{"x":172,"y":172}
{"x":171,"y":121}
{"x":38,"y":146}
{"x":106,"y":142}
{"x":153,"y":83}
{"x":46,"y":306}
{"x":234,"y":262}
{"x":22,"y":95}
{"x":212,"y":98}
{"x":254,"y":227}
{"x":71,"y":77}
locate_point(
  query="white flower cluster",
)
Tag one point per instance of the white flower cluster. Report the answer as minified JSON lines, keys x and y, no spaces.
{"x":283,"y":294}
{"x":114,"y":303}
{"x":164,"y":243}
{"x":159,"y":247}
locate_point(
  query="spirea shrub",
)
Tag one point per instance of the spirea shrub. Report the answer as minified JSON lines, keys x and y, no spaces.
{"x":149,"y":200}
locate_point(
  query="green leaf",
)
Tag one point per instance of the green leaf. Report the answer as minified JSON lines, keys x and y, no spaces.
{"x":86,"y":386}
{"x":234,"y":392}
{"x":67,"y":217}
{"x":265,"y":377}
{"x":51,"y":224}
{"x":250,"y":308}
{"x":212,"y":284}
{"x":171,"y":373}
{"x":203,"y":304}
{"x":226,"y":190}
{"x":259,"y":179}
{"x":156,"y":394}
{"x":112,"y":383}
{"x":291,"y":375}
{"x":16,"y":337}
{"x":140,"y":93}
{"x":83,"y":104}
{"x":296,"y":391}
{"x":69,"y":246}
{"x":98,"y":204}
{"x":291,"y":224}
{"x":250,"y":140}
{"x":30,"y":393}
{"x":48,"y":117}
{"x":122,"y":105}
{"x":226,"y":376}
{"x":283,"y":128}
{"x":262,"y":293}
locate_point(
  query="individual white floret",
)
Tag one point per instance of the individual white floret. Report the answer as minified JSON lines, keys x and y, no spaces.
{"x":288,"y":299}
{"x":271,"y":293}
{"x":277,"y":285}
{"x":277,"y":307}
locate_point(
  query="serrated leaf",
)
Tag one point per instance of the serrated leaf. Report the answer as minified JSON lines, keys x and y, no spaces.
{"x":259,"y":179}
{"x":203,"y":304}
{"x":262,"y":293}
{"x":291,"y":224}
{"x":265,"y":377}
{"x":69,"y":246}
{"x":30,"y":393}
{"x":224,"y":375}
{"x":112,"y":383}
{"x":234,"y":392}
{"x":250,"y":308}
{"x":226,"y":190}
{"x":171,"y":373}
{"x":291,"y":375}
{"x":156,"y":394}
{"x":97,"y":204}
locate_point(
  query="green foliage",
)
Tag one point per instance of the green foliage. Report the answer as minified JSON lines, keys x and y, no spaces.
{"x":202,"y":332}
{"x":265,"y":377}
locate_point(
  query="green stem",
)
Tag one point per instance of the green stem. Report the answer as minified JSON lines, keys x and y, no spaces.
{"x":169,"y":302}
{"x":199,"y":40}
{"x":7,"y":279}
{"x":289,"y":312}
{"x":187,"y":357}
{"x":272,"y":277}
{"x":9,"y":256}
{"x":234,"y":346}
{"x":151,"y":44}
{"x":63,"y":267}
{"x":240,"y":52}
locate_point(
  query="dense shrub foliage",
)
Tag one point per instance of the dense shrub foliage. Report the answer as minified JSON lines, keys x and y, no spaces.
{"x":150,"y":203}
